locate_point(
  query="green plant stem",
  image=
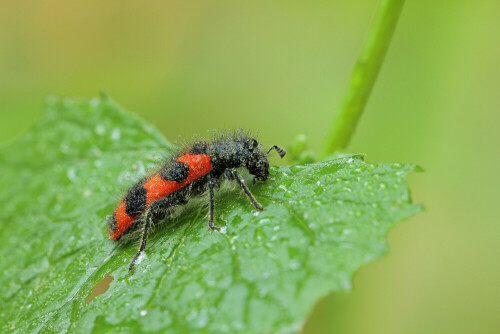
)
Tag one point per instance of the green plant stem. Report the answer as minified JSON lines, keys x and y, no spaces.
{"x":363,"y":77}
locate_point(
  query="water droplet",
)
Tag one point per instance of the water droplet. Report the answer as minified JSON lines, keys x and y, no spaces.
{"x":139,"y":167}
{"x":143,"y":313}
{"x":100,"y":129}
{"x":319,"y":190}
{"x":238,"y":325}
{"x":64,"y":147}
{"x":71,"y":174}
{"x":94,"y":103}
{"x":347,"y":231}
{"x":263,"y":292}
{"x":297,"y":169}
{"x":140,"y":258}
{"x":294,"y":264}
{"x":338,"y":190}
{"x":287,"y":182}
{"x":115,"y":135}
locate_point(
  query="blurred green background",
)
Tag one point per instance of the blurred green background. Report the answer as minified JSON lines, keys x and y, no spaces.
{"x":280,"y":68}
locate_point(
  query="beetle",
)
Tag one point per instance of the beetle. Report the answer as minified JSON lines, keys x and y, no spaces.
{"x":201,"y":166}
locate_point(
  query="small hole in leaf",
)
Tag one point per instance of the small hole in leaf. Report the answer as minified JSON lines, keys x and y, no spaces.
{"x":101,"y":287}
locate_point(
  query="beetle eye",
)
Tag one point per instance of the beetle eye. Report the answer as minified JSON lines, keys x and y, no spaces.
{"x":252,"y":144}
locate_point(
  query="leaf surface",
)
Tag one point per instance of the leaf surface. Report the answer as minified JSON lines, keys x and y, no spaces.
{"x":262,"y":274}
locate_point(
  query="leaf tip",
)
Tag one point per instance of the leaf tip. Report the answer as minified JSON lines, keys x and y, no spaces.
{"x":104,"y":96}
{"x":419,"y":169}
{"x":420,"y":207}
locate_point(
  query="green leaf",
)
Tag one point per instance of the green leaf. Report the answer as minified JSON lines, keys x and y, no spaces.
{"x":262,"y":274}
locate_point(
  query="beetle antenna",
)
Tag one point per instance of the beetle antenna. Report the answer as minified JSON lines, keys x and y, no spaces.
{"x":278,"y":149}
